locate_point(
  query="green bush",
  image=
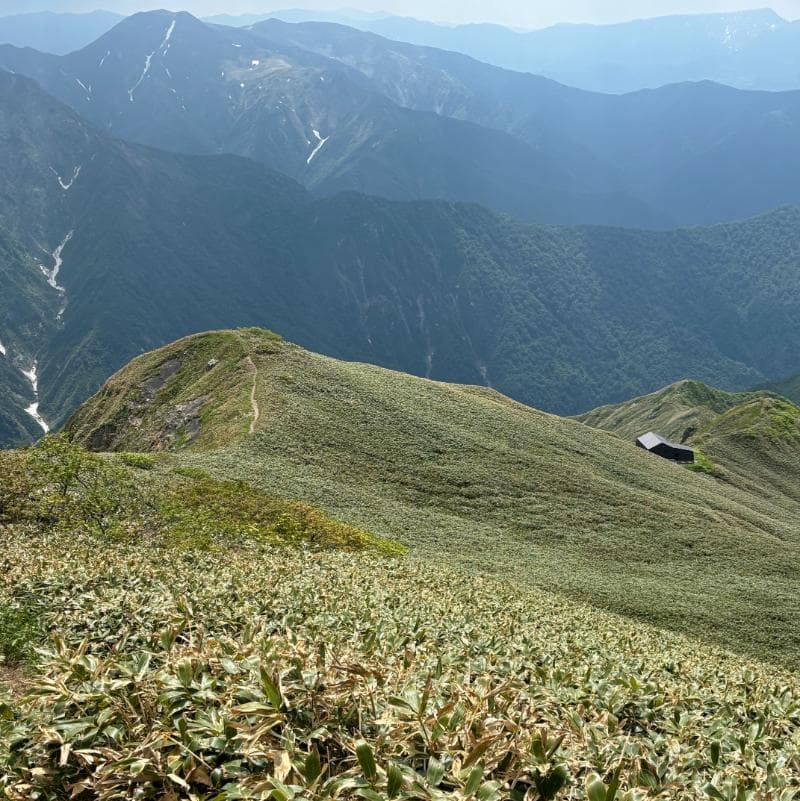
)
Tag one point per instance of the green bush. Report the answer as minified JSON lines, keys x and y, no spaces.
{"x":142,"y":461}
{"x":202,"y":511}
{"x":191,"y":472}
{"x":16,"y":487}
{"x":702,"y":464}
{"x":19,"y":632}
{"x":59,"y":486}
{"x":80,"y":490}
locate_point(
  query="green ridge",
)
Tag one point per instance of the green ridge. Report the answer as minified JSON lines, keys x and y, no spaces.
{"x":469,"y":478}
{"x":677,"y":412}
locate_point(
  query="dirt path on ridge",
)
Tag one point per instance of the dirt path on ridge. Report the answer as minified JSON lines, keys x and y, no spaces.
{"x":253,"y":402}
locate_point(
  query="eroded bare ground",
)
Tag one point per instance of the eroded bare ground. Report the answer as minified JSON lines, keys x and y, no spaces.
{"x":15,"y":680}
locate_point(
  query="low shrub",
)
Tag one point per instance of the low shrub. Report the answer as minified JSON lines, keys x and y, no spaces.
{"x":19,"y":633}
{"x":59,"y":486}
{"x":142,"y":461}
{"x":702,"y":464}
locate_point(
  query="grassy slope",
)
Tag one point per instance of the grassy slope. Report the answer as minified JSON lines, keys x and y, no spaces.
{"x":757,"y":443}
{"x":676,"y":412}
{"x":752,"y":439}
{"x":469,"y":478}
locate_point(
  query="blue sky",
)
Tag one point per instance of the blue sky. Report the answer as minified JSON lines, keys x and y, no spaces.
{"x":522,"y":13}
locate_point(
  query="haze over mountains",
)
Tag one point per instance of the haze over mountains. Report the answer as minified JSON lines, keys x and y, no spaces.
{"x":340,"y":109}
{"x":747,"y":49}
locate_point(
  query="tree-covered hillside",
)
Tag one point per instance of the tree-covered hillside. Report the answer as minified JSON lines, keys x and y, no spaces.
{"x":788,"y":387}
{"x":152,"y":246}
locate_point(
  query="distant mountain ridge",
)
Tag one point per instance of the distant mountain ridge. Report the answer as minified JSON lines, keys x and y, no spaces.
{"x":754,"y":49}
{"x":698,"y":152}
{"x":57,"y":33}
{"x":340,"y":109}
{"x":170,"y":81}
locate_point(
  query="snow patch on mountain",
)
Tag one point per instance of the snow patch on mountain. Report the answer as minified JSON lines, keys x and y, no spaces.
{"x":67,"y":185}
{"x":52,"y":273}
{"x":148,"y":59}
{"x":33,"y":379}
{"x":33,"y":409}
{"x":320,"y":141}
{"x":168,"y":36}
{"x":2,"y":349}
{"x":103,"y":59}
{"x":87,"y":89}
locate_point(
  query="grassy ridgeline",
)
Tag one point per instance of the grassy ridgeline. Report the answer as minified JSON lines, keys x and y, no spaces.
{"x":471,"y":480}
{"x":677,"y":412}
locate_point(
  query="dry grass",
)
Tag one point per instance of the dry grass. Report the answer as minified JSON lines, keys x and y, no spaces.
{"x":16,"y":679}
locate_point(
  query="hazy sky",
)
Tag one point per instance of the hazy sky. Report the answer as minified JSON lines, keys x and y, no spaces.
{"x":521,"y":13}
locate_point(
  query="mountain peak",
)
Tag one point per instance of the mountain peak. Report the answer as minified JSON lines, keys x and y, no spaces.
{"x":198,"y":391}
{"x":157,"y":27}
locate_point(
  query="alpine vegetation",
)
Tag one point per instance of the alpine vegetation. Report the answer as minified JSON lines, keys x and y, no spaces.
{"x":292,"y":308}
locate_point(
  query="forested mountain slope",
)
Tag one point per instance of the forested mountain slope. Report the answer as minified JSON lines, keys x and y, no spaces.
{"x":151,"y":246}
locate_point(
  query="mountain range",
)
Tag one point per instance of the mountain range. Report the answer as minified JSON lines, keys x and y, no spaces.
{"x":340,"y":109}
{"x":755,"y":49}
{"x":151,"y":245}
